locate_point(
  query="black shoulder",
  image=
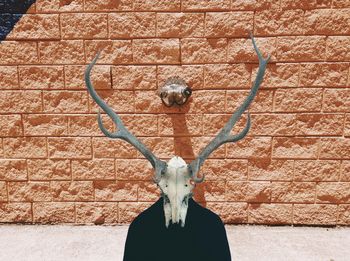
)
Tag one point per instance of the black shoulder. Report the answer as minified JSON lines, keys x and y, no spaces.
{"x":149,"y":215}
{"x":206,"y":214}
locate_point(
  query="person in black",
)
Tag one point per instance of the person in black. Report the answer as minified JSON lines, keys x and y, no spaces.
{"x":203,"y":238}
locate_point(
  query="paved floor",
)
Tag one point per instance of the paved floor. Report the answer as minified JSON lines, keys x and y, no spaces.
{"x":72,"y":243}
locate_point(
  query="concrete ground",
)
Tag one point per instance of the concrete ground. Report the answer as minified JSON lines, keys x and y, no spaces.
{"x":71,"y":243}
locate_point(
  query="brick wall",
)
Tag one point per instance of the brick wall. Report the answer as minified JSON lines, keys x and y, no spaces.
{"x":293,"y":166}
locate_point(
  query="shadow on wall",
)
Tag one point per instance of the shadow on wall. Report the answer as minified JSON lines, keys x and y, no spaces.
{"x":11,"y":12}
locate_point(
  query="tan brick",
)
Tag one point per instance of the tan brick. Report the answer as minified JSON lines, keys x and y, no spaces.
{"x":9,"y":77}
{"x":132,"y":25}
{"x":336,"y":100}
{"x":279,"y":22}
{"x":115,"y":191}
{"x":87,"y":125}
{"x":335,"y":148}
{"x":49,"y":6}
{"x":347,"y":125}
{"x":156,"y":5}
{"x":205,"y":5}
{"x":294,"y":147}
{"x":341,"y":4}
{"x":230,"y":213}
{"x":203,"y":50}
{"x":270,"y":169}
{"x":61,"y":52}
{"x":270,"y":214}
{"x":345,"y":170}
{"x":41,"y":77}
{"x":69,"y":147}
{"x":257,"y":191}
{"x":162,"y":147}
{"x":213,"y":190}
{"x":224,"y":169}
{"x":83,"y":26}
{"x":250,"y":147}
{"x":327,"y":22}
{"x":213,"y":123}
{"x":333,"y":192}
{"x":13,"y":52}
{"x":316,"y":170}
{"x":296,"y":192}
{"x":47,"y":169}
{"x":133,"y":169}
{"x":112,"y":52}
{"x":108,"y":5}
{"x":281,"y":124}
{"x":319,"y":124}
{"x":104,"y":147}
{"x":42,"y":124}
{"x":134,"y":77}
{"x":147,"y":191}
{"x":65,"y":101}
{"x":100,"y":77}
{"x":93,"y":169}
{"x":254,"y":5}
{"x":343,"y":215}
{"x":97,"y":213}
{"x":20,"y":101}
{"x":180,"y":24}
{"x":242,"y":50}
{"x":25,"y":147}
{"x":262,"y":102}
{"x":3,"y":191}
{"x":29,"y":191}
{"x":302,"y":4}
{"x":72,"y":190}
{"x":141,"y":124}
{"x":53,"y":212}
{"x":338,"y":48}
{"x":129,"y":210}
{"x":119,"y":101}
{"x":301,"y":48}
{"x":298,"y":100}
{"x":11,"y":125}
{"x":15,"y":212}
{"x":314,"y":214}
{"x":180,"y":125}
{"x":13,"y":170}
{"x":36,"y":26}
{"x":159,"y":51}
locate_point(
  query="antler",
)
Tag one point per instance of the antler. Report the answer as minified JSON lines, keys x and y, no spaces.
{"x":224,"y":135}
{"x":122,"y":132}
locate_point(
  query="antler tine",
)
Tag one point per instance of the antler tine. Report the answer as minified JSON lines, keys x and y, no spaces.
{"x":224,"y":135}
{"x":122,"y":132}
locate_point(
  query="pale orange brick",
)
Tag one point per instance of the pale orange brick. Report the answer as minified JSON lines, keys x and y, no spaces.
{"x":294,"y":147}
{"x":115,"y":190}
{"x":29,"y":191}
{"x":279,"y":22}
{"x":159,"y":51}
{"x":224,"y":169}
{"x":302,"y":4}
{"x":11,"y":125}
{"x":119,"y":101}
{"x":343,"y":214}
{"x":130,"y":210}
{"x":296,"y":192}
{"x":104,"y":147}
{"x":3,"y":191}
{"x":242,"y":50}
{"x":338,"y":48}
{"x":41,"y":77}
{"x":42,"y":124}
{"x":191,"y":74}
{"x":20,"y":101}
{"x":228,"y":24}
{"x":18,"y":52}
{"x":149,"y":102}
{"x":97,"y":213}
{"x":314,"y":214}
{"x":53,"y":212}
{"x":207,"y":101}
{"x":257,"y":191}
{"x":15,"y":212}
{"x":262,"y":102}
{"x":333,"y":192}
{"x":132,"y":25}
{"x":180,"y":125}
{"x":100,"y":77}
{"x":147,"y":191}
{"x":72,"y":190}
{"x":65,"y":101}
{"x":250,"y":147}
{"x":341,"y":4}
{"x":281,"y":124}
{"x":336,"y":100}
{"x":213,"y":190}
{"x":298,"y":100}
{"x":205,"y":5}
{"x":180,"y":24}
{"x":108,"y":5}
{"x":156,"y":5}
{"x":213,"y":123}
{"x":87,"y":125}
{"x":316,"y":170}
{"x":301,"y":48}
{"x":93,"y":169}
{"x":319,"y":124}
{"x":327,"y":22}
{"x":36,"y":26}
{"x":25,"y":147}
{"x":270,"y":214}
{"x":69,"y":147}
{"x":227,"y":76}
{"x":47,"y":169}
{"x":134,"y":169}
{"x":134,"y":77}
{"x":345,"y":170}
{"x":270,"y":169}
{"x":112,"y":52}
{"x":162,"y":147}
{"x":9,"y":77}
{"x":13,"y":170}
{"x":61,"y":52}
{"x":203,"y":50}
{"x":230,"y":213}
{"x":335,"y":148}
{"x":141,"y":124}
{"x":347,"y":125}
{"x":254,"y":5}
{"x":49,"y":6}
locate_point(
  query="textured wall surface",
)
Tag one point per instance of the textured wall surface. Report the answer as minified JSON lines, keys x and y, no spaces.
{"x":293,"y":167}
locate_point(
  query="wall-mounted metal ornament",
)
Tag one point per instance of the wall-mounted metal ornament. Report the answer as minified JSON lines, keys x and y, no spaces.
{"x":174,"y":91}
